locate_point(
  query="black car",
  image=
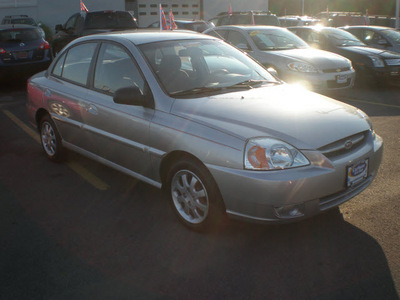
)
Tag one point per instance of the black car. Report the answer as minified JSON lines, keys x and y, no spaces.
{"x":86,"y":23}
{"x":371,"y":64}
{"x":23,"y":51}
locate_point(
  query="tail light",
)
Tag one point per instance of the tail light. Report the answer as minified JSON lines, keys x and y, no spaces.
{"x":2,"y":51}
{"x":45,"y":45}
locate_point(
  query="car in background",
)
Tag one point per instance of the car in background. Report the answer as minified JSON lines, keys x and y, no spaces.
{"x":342,"y":18}
{"x":22,"y":19}
{"x":287,"y":21}
{"x":291,"y":57}
{"x":372,"y":65}
{"x":23,"y":51}
{"x":246,"y":18}
{"x":191,"y":114}
{"x":385,"y":38}
{"x":86,"y":23}
{"x":193,"y":25}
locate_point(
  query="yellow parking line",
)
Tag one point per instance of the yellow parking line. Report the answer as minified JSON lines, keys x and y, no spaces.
{"x":373,"y":103}
{"x":77,"y":168}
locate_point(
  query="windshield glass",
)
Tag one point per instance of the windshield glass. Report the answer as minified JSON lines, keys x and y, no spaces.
{"x":190,"y":67}
{"x":19,"y":35}
{"x":110,"y":20}
{"x":341,"y":38}
{"x":276,"y":39}
{"x":393,"y":35}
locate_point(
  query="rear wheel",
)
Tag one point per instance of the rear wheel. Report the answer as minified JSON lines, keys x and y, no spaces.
{"x":50,"y":139}
{"x":195,"y":197}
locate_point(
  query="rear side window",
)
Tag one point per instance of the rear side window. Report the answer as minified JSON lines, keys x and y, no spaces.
{"x":110,"y":20}
{"x":77,"y":63}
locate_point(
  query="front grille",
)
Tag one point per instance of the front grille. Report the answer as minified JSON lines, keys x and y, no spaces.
{"x":393,"y":62}
{"x":332,"y":84}
{"x":336,"y":70}
{"x":344,"y":146}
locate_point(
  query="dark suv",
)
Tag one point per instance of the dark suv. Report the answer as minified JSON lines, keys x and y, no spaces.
{"x":86,"y":23}
{"x":246,"y":18}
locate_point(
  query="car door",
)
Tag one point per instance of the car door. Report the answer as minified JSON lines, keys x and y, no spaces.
{"x":118,"y":133}
{"x":66,"y":92}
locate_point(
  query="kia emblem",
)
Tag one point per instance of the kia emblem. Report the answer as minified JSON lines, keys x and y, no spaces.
{"x":348,"y":145}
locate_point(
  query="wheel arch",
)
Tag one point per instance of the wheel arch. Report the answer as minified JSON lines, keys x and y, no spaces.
{"x":39,"y":115}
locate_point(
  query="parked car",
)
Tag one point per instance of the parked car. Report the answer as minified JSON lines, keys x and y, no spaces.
{"x":246,"y":18}
{"x":379,"y":37}
{"x":194,"y":115}
{"x":287,"y":21}
{"x":342,"y":18}
{"x":86,"y":23}
{"x":382,"y":20}
{"x":22,"y":19}
{"x":371,"y":64}
{"x":291,"y":57}
{"x":23,"y":51}
{"x":196,"y":25}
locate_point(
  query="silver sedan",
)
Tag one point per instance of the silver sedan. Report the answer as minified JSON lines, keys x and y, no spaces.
{"x":291,"y":57}
{"x":192,"y":114}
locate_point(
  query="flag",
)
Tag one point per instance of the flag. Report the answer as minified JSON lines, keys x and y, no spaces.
{"x":172,"y":24}
{"x":83,"y":7}
{"x":253,"y":22}
{"x":230,"y":10}
{"x":163,"y":20}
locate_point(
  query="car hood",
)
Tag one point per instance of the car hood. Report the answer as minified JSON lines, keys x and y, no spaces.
{"x":320,"y":58}
{"x":371,"y":51}
{"x":304,"y":119}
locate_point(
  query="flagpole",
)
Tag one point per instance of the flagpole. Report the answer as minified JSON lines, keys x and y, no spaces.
{"x":159,"y":11}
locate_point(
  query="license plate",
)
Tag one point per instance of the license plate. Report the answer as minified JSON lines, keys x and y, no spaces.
{"x":22,"y":54}
{"x":357,"y":172}
{"x":341,"y":79}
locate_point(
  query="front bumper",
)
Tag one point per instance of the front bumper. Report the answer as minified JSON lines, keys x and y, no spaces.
{"x":256,"y":195}
{"x":321,"y":81}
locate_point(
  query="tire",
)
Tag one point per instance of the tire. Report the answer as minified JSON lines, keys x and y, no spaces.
{"x":50,"y":139}
{"x":195,"y":197}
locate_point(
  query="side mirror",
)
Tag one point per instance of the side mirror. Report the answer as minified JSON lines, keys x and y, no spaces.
{"x":131,"y":96}
{"x":243,"y":47}
{"x":59,"y":27}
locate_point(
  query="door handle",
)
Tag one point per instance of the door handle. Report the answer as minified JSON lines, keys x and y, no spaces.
{"x":92,"y":109}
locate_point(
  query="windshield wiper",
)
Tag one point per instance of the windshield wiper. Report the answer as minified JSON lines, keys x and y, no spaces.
{"x":197,"y":90}
{"x":251,"y":83}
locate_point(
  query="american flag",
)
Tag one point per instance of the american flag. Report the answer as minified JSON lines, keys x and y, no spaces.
{"x":163,"y":20}
{"x":83,"y":7}
{"x":172,"y":24}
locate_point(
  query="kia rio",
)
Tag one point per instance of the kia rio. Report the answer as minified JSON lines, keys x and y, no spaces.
{"x":193,"y":115}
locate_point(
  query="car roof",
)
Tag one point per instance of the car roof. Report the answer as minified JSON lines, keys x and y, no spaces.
{"x":246,"y":27}
{"x":144,"y":36}
{"x":378,"y":28}
{"x":16,"y":26}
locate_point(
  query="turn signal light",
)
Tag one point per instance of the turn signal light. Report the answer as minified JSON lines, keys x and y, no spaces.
{"x":44,"y":45}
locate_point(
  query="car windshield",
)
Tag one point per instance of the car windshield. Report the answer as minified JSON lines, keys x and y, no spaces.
{"x":393,"y":35}
{"x":109,"y":20}
{"x":276,"y":39}
{"x":341,"y":38}
{"x":27,"y":21}
{"x":192,"y":67}
{"x":19,"y":35}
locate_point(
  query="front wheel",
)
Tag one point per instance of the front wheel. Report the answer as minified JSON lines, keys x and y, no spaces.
{"x":50,"y":139}
{"x":195,"y":197}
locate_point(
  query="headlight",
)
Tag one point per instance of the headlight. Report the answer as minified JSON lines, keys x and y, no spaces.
{"x":377,"y":61}
{"x":302,"y":67}
{"x":272,"y":154}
